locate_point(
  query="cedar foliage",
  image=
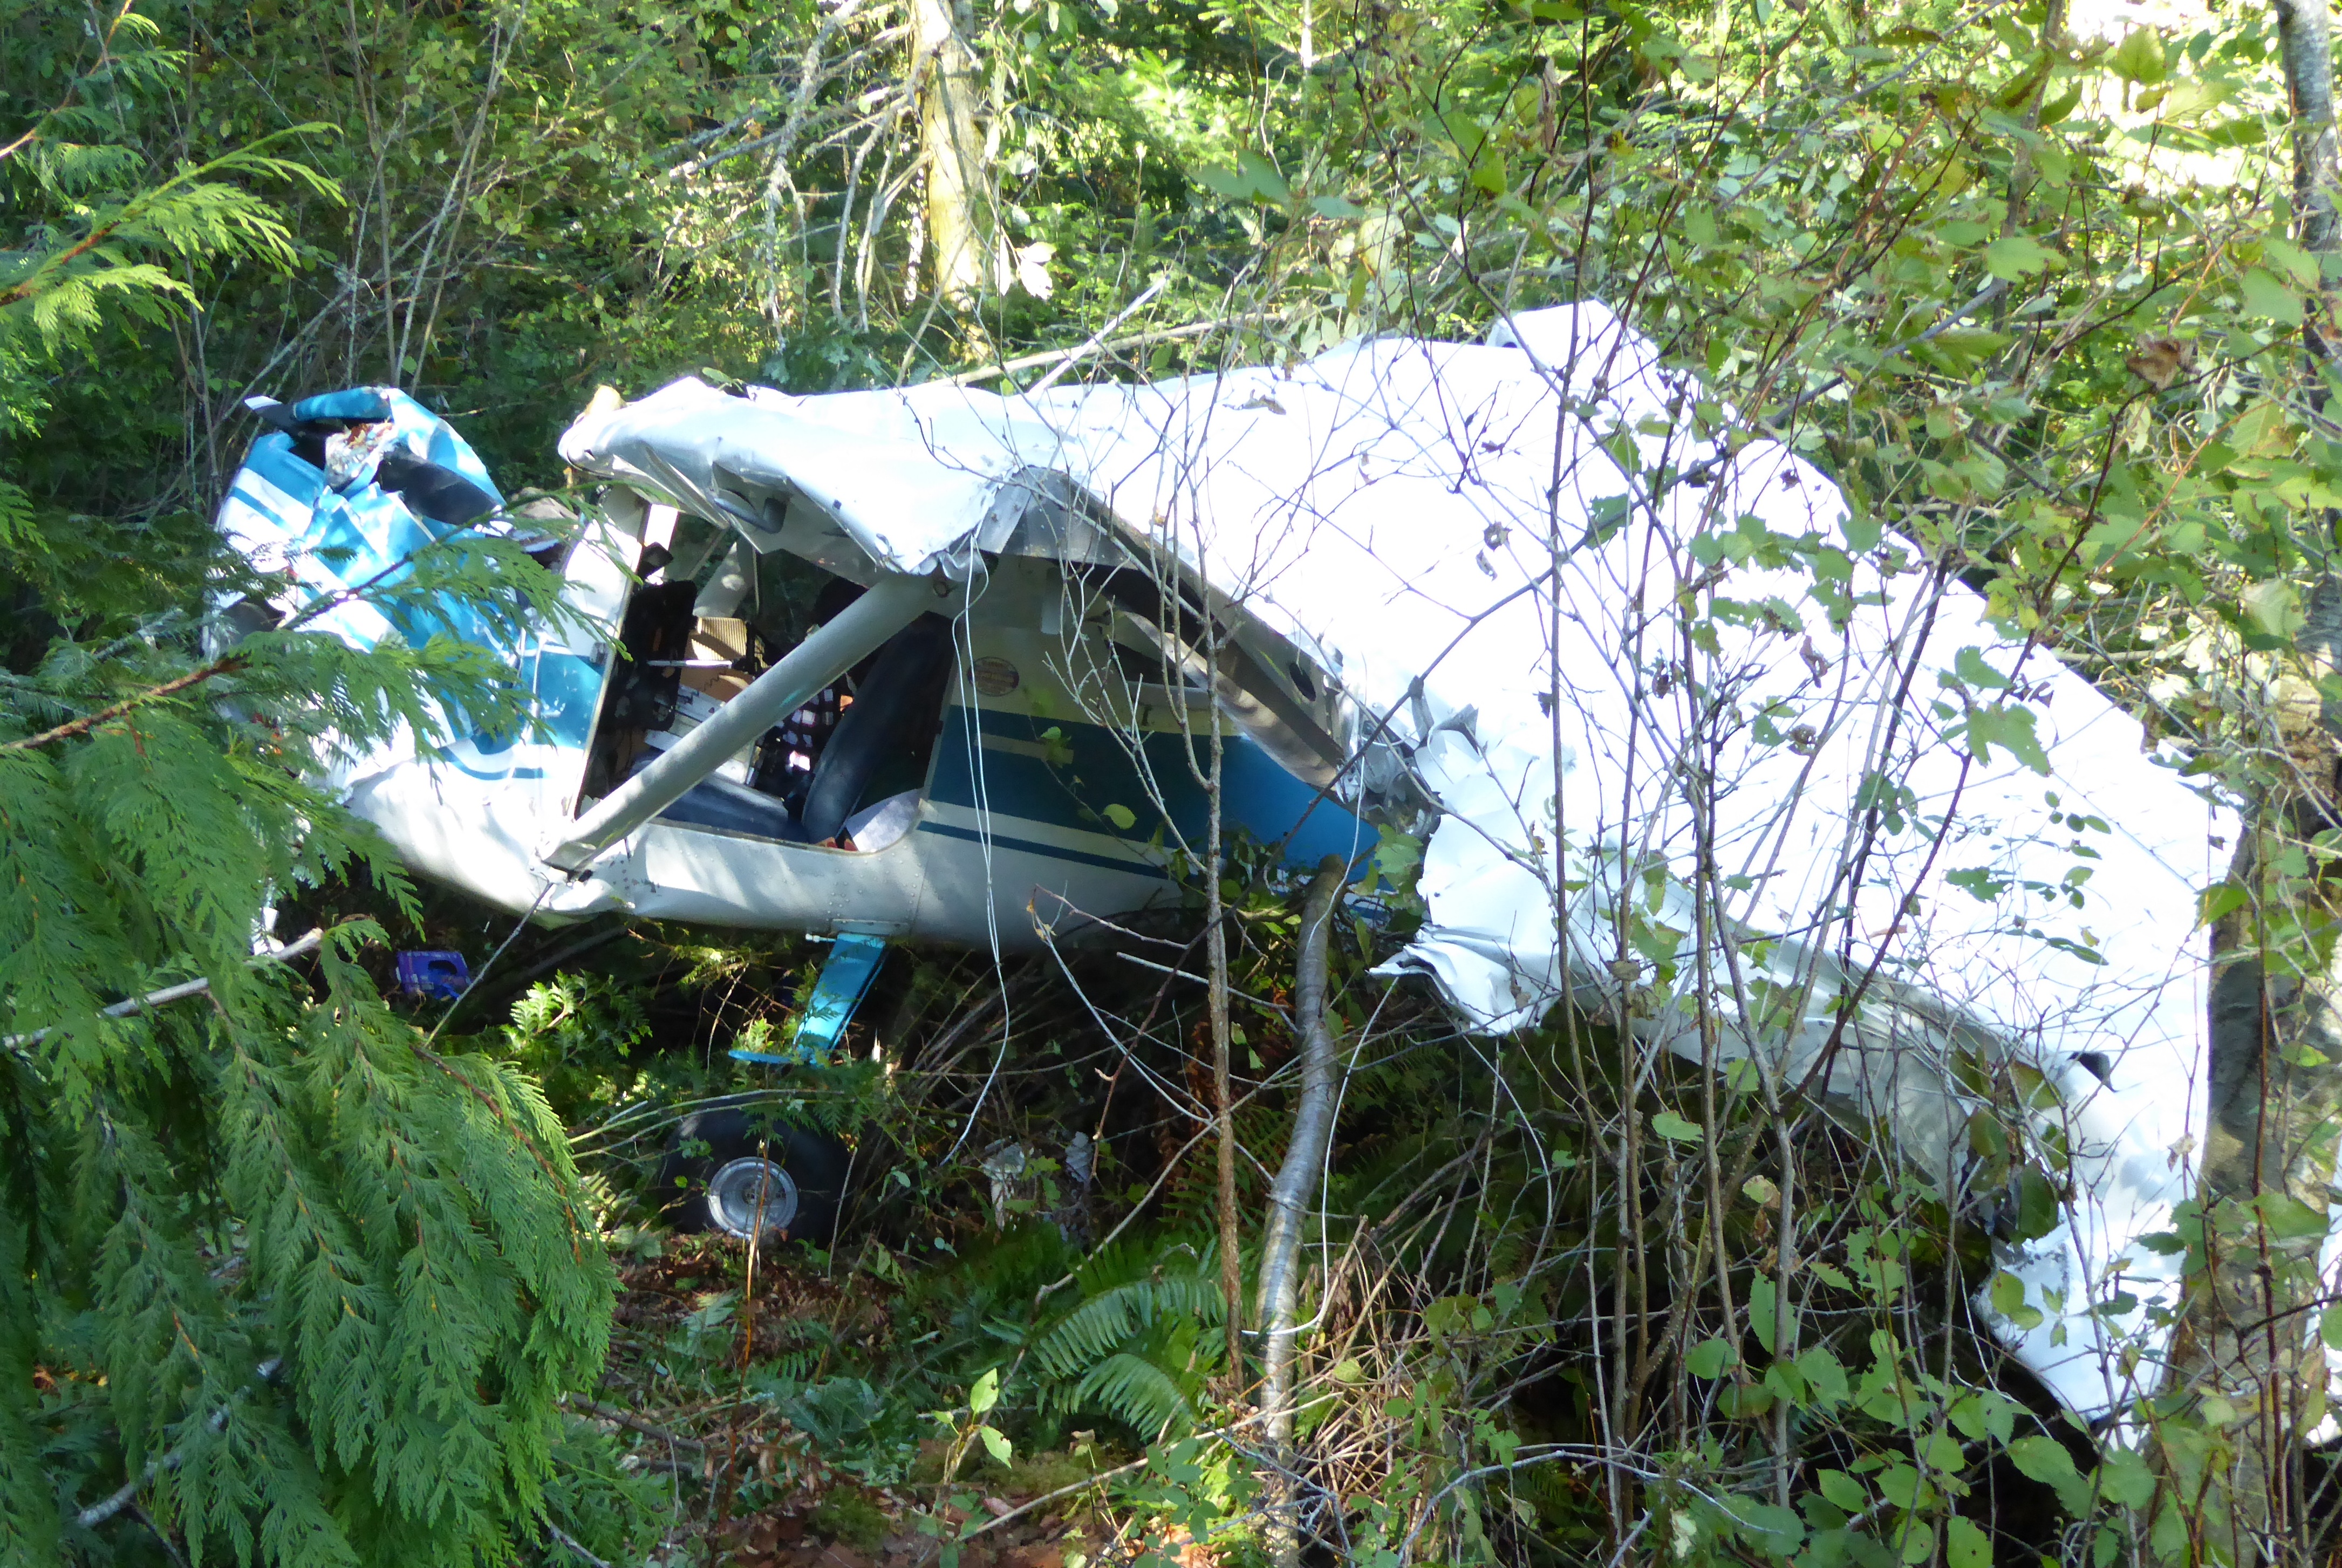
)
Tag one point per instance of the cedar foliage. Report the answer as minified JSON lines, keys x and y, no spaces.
{"x":316,"y":1285}
{"x":281,"y":1282}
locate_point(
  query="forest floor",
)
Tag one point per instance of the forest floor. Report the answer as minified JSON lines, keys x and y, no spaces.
{"x":938,"y":1387}
{"x":707,"y":1392}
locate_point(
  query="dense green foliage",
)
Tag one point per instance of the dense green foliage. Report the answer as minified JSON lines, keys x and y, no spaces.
{"x":282,"y":1283}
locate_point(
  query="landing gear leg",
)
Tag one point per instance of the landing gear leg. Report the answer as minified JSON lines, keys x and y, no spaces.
{"x":846,"y":975}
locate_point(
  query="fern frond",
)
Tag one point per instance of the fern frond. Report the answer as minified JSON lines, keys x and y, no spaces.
{"x":1143,"y":1396}
{"x":1125,"y":1289}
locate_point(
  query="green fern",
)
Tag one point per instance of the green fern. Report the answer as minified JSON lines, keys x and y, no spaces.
{"x":1127,"y":1289}
{"x":1149,"y":1388}
{"x":996,"y":1282}
{"x":1130,"y":1344}
{"x":1132,"y":1336}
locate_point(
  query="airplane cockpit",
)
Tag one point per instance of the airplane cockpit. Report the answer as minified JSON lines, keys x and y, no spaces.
{"x":844,"y":770}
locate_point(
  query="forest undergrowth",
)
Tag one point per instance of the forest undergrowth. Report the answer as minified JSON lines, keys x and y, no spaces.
{"x":1008,"y":1351}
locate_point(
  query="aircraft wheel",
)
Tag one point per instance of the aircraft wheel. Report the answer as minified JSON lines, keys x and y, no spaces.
{"x":754,"y":1171}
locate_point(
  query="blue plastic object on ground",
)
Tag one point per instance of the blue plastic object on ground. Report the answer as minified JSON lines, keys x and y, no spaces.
{"x":435,"y":976}
{"x":846,"y":975}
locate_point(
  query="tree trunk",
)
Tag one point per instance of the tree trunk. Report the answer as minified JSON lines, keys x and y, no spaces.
{"x":2247,"y":1350}
{"x":2305,"y":45}
{"x":1288,"y":1205}
{"x":2250,"y":1351}
{"x":958,"y":205}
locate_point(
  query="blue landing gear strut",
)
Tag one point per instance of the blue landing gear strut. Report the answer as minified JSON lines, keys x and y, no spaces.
{"x":846,"y":975}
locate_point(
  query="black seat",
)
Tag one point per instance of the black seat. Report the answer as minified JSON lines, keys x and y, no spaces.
{"x":893,"y":713}
{"x":433,"y":490}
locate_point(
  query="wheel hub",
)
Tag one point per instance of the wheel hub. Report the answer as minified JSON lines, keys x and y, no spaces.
{"x":751,"y":1197}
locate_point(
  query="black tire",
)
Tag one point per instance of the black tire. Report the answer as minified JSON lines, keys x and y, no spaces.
{"x":800,"y":1194}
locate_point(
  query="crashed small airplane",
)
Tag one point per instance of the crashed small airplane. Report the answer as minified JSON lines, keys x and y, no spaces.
{"x":1683,"y":742}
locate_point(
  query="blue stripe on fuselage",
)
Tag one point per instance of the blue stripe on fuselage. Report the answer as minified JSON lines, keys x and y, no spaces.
{"x":1049,"y":851}
{"x":1088,"y":768}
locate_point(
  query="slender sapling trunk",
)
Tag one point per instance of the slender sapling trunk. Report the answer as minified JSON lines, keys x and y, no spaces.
{"x":1289,"y":1204}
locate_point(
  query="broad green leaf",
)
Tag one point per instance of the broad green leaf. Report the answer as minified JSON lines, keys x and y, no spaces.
{"x":986,"y":1394}
{"x":1980,"y":1414}
{"x":2139,"y":58}
{"x":1763,"y":1318}
{"x":1397,"y":856}
{"x":1709,"y":1358}
{"x":2042,"y":1459}
{"x":1489,"y":173}
{"x":1226,"y":182}
{"x":1843,"y":1490}
{"x":2274,"y":605}
{"x":1966,"y":1545}
{"x":1900,"y":1484}
{"x":2262,"y":430}
{"x":1964,"y":348}
{"x":2298,"y":264}
{"x":994,"y":1444}
{"x":1668,"y":1124}
{"x":2009,"y":727}
{"x":2289,"y":1219}
{"x":2123,"y":1477}
{"x":1773,"y":1528}
{"x":1824,"y":1376}
{"x":2219,"y":900}
{"x":1253,"y":179}
{"x":2009,"y":1301}
{"x":1122,"y":816}
{"x":2265,"y":297}
{"x":2036,"y":1205}
{"x":2172,"y":1531}
{"x":2045,"y":1459}
{"x":2015,"y":256}
{"x":1974,"y":673}
{"x":1262,"y":178}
